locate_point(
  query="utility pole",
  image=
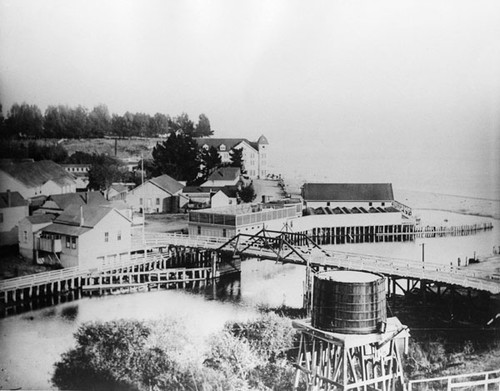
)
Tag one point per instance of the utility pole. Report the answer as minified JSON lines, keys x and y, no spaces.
{"x":423,"y":254}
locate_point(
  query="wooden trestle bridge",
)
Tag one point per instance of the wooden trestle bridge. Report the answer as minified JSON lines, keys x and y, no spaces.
{"x":162,"y":261}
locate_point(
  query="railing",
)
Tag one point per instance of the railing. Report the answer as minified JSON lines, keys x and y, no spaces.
{"x":402,"y":207}
{"x":392,"y":266}
{"x":482,"y":381}
{"x":70,"y":272}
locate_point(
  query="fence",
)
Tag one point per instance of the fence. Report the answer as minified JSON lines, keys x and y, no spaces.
{"x":482,"y":381}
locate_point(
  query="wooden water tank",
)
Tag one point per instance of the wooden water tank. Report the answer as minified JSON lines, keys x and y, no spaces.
{"x":349,"y":302}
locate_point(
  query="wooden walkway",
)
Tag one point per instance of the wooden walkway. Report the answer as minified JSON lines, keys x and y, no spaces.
{"x":318,"y":258}
{"x":428,"y":271}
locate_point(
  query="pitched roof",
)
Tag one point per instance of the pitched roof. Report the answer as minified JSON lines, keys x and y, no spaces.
{"x":89,"y":198}
{"x":228,"y":142}
{"x":70,"y":221}
{"x":347,"y":192}
{"x":91,"y":214}
{"x":118,"y":187}
{"x":65,"y":200}
{"x":225,"y":174}
{"x":33,"y":174}
{"x":41,"y":218}
{"x":16,"y":200}
{"x":230,"y":191}
{"x":196,"y":189}
{"x":167,"y":183}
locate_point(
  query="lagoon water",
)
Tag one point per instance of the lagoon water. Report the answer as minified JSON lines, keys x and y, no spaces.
{"x":32,"y":342}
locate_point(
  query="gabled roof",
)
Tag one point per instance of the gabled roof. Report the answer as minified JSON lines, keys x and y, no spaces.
{"x":195,"y":189}
{"x":228,"y":142}
{"x":230,"y":191}
{"x":118,"y":187}
{"x":88,"y":198}
{"x":169,"y":184}
{"x":225,"y":174}
{"x":91,"y":214}
{"x":347,"y":192}
{"x":16,"y":200}
{"x":41,"y":218}
{"x":33,"y":174}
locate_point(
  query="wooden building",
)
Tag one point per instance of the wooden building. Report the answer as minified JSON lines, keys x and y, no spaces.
{"x":33,"y":179}
{"x":13,"y":208}
{"x":157,"y":195}
{"x":85,"y":236}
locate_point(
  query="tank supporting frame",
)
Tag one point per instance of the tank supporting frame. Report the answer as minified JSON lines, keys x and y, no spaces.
{"x":328,"y":363}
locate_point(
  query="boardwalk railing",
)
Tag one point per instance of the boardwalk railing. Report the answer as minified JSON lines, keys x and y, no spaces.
{"x":68,"y":273}
{"x":482,"y":381}
{"x":391,"y":266}
{"x":407,"y":268}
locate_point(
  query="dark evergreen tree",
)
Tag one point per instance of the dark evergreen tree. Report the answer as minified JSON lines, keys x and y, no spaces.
{"x":236,"y":158}
{"x":177,"y":156}
{"x":247,"y":193}
{"x":210,"y":161}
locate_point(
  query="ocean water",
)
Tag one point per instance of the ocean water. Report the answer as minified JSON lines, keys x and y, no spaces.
{"x":434,"y":169}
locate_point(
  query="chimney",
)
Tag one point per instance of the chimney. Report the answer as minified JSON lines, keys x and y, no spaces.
{"x":9,"y":198}
{"x":82,"y":221}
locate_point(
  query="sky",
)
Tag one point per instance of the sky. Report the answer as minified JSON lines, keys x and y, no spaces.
{"x":386,"y":83}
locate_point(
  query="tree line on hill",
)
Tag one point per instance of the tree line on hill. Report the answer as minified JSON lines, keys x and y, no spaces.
{"x":25,"y":121}
{"x":178,"y":156}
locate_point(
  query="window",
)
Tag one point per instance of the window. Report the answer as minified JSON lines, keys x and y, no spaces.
{"x":68,"y":241}
{"x":119,"y":235}
{"x":1,"y":217}
{"x":224,"y":232}
{"x":199,"y":230}
{"x":383,"y":203}
{"x":106,"y":236}
{"x":157,"y":201}
{"x":370,"y":203}
{"x":73,"y":242}
{"x":328,"y":203}
{"x":25,"y":235}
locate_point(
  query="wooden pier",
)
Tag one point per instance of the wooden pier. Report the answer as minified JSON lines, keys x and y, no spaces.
{"x":173,"y":260}
{"x":168,"y":267}
{"x":383,"y":233}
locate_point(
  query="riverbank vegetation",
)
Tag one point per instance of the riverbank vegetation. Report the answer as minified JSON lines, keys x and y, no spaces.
{"x":253,"y":355}
{"x":160,"y":355}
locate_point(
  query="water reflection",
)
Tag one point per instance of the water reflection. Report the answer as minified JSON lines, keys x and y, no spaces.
{"x":30,"y":343}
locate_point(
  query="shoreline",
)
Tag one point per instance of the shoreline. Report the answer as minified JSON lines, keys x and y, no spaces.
{"x":428,"y":200}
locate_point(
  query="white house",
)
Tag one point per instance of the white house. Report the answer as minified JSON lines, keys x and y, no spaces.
{"x":85,"y":236}
{"x":255,"y":154}
{"x":13,"y":208}
{"x":28,"y":228}
{"x":224,"y":176}
{"x":225,"y":196}
{"x":157,"y":195}
{"x":33,"y":179}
